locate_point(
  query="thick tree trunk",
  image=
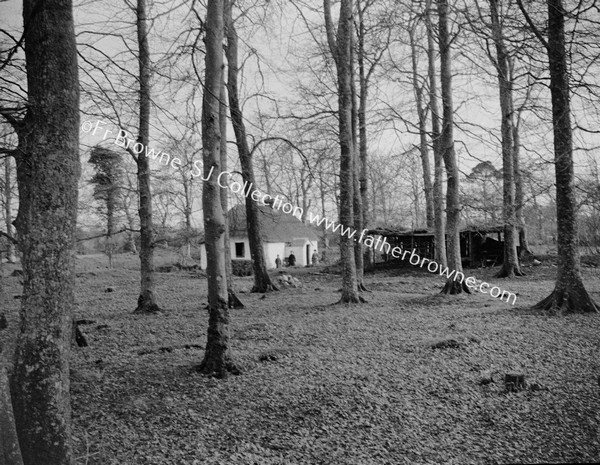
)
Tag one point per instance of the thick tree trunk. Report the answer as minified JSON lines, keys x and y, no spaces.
{"x":447,"y":147}
{"x":262,"y":280}
{"x":510,"y":267}
{"x":146,"y":300}
{"x":340,"y":49}
{"x":438,"y":186}
{"x":569,"y":295}
{"x":48,"y":170}
{"x":11,"y":257}
{"x":217,"y":357}
{"x":423,"y":146}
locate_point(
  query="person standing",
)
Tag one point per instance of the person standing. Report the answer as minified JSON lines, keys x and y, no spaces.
{"x":278,"y":262}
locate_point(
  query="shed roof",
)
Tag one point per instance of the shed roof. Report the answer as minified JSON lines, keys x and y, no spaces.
{"x":276,"y":226}
{"x":483,"y":229}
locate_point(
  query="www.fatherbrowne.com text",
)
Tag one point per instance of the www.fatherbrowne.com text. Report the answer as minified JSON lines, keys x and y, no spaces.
{"x":378,"y":243}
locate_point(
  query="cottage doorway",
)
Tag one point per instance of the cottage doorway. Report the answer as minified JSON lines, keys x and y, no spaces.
{"x":307,"y":254}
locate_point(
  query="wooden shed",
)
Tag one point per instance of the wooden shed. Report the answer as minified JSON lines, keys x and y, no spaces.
{"x":479,"y":245}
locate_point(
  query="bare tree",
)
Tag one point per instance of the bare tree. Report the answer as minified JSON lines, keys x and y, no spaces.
{"x":232,"y":300}
{"x":419,"y":88}
{"x":147,"y":299}
{"x":510,"y":266}
{"x":340,"y":48}
{"x":569,"y":295}
{"x":106,"y":181}
{"x":438,"y":158}
{"x":452,"y":286}
{"x":262,"y":280}
{"x":217,"y":357}
{"x":7,"y":189}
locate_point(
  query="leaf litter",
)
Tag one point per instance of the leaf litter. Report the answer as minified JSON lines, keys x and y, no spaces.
{"x":352,"y":384}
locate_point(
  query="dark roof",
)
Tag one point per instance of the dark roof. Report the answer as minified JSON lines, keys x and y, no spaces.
{"x":428,"y":232}
{"x":276,"y":226}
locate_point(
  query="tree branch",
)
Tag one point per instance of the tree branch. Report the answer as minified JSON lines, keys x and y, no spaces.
{"x":533,"y":27}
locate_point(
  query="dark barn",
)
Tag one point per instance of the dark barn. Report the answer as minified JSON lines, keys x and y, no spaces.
{"x":479,"y":246}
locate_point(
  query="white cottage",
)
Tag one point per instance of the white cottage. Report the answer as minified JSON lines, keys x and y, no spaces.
{"x":281,"y":233}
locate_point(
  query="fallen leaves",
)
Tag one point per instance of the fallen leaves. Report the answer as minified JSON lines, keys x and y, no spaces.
{"x":334,"y":384}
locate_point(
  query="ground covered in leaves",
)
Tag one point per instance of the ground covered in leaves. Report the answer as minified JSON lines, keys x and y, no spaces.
{"x":411,"y":377}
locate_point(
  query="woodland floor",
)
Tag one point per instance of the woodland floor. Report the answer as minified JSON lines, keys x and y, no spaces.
{"x":327,"y":384}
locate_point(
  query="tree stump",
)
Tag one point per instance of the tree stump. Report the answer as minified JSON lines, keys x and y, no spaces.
{"x":514,"y":382}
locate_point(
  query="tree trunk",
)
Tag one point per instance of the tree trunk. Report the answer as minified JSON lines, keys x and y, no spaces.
{"x":510,"y":267}
{"x":232,"y":300}
{"x":357,"y":199}
{"x":10,"y":250}
{"x":217,"y":357}
{"x":324,"y":236}
{"x":129,"y":216}
{"x":519,"y":195}
{"x":423,"y":147}
{"x":569,"y":295}
{"x":438,"y":186}
{"x":363,"y":81}
{"x":452,"y":286}
{"x":146,"y":300}
{"x":48,"y":170}
{"x":110,"y":225}
{"x":10,"y":452}
{"x":262,"y":280}
{"x":186,"y":256}
{"x":340,"y":44}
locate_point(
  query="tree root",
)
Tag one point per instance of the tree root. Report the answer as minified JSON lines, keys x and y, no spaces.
{"x":218,"y":369}
{"x":233,"y":301}
{"x":455,"y":287}
{"x":363,"y":288}
{"x":505,"y":272}
{"x":351,"y":300}
{"x":574,"y":299}
{"x":264,"y":288}
{"x":146,"y":307}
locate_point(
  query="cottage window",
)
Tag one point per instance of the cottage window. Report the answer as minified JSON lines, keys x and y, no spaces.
{"x":239,"y":250}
